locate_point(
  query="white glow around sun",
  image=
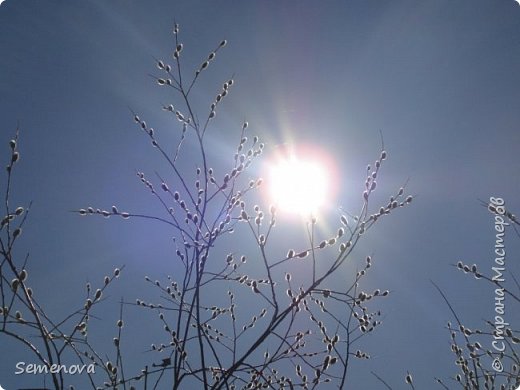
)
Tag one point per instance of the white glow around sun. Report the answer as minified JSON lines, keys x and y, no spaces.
{"x":298,"y":185}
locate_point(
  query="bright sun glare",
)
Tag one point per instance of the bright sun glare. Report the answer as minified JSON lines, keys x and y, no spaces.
{"x":298,"y":185}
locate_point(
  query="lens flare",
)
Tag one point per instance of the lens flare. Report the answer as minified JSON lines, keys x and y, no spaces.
{"x":298,"y":184}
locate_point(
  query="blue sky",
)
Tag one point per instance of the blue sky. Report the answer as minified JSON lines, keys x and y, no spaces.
{"x":439,"y":79}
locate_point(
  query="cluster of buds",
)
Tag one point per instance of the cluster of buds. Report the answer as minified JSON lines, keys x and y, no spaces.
{"x":177,"y":51}
{"x":370,"y":182}
{"x":163,"y":66}
{"x":222,"y":94}
{"x":211,"y":57}
{"x":469,"y":269}
{"x":395,"y":201}
{"x":367,"y":321}
{"x":15,"y":155}
{"x":10,"y":217}
{"x":105,"y":213}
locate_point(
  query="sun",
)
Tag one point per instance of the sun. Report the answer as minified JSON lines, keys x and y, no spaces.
{"x":298,"y":185}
